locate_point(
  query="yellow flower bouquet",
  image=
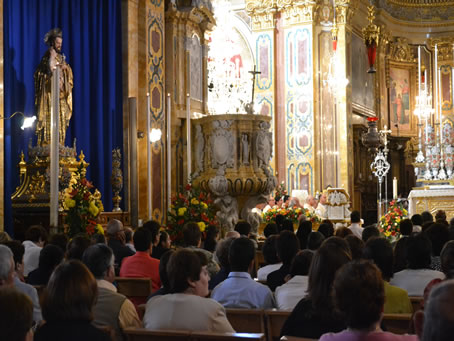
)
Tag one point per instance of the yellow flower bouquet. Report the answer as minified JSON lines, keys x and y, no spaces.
{"x":82,"y":204}
{"x":190,"y":205}
{"x":389,"y":225}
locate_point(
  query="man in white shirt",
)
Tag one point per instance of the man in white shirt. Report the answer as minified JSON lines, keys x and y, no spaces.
{"x":271,"y":204}
{"x":415,"y":278}
{"x":321,"y":210}
{"x":311,"y":203}
{"x":35,"y":237}
{"x":355,"y":227}
{"x":239,"y":290}
{"x":417,"y":221}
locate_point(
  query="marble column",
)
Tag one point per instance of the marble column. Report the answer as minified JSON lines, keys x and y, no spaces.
{"x":344,"y":13}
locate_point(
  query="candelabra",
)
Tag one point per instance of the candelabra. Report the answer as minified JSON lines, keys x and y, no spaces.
{"x":434,"y":160}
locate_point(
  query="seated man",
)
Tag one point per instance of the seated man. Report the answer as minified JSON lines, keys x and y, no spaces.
{"x":36,"y":237}
{"x":116,"y":241}
{"x":418,"y":273}
{"x":322,"y":210}
{"x":18,"y":254}
{"x":311,"y":203}
{"x":142,"y":264}
{"x":111,"y":308}
{"x":193,"y":239}
{"x":355,"y":227}
{"x":239,"y":290}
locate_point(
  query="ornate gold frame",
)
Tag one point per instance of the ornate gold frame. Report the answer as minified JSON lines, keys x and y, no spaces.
{"x":411,"y":67}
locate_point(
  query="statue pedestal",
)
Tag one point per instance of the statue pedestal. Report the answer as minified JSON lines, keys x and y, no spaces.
{"x":31,"y":200}
{"x":231,"y":161}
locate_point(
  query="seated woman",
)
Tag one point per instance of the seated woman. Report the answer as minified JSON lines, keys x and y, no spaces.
{"x":67,"y":305}
{"x":49,"y":258}
{"x":16,"y":315}
{"x":186,"y":307}
{"x":314,"y":315}
{"x":289,"y":294}
{"x":380,"y":251}
{"x":359,"y":295}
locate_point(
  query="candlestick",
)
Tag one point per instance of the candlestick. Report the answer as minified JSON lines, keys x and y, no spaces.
{"x":188,"y":134}
{"x":395,"y":188}
{"x":169,"y":155}
{"x":149,"y":158}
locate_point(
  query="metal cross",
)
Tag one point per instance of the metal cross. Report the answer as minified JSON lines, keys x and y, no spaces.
{"x":254,"y":73}
{"x":384,"y":133}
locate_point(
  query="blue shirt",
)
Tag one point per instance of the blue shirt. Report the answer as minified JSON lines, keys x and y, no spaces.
{"x":239,"y":290}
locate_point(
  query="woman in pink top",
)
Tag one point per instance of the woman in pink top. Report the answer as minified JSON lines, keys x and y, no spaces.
{"x":360,"y":296}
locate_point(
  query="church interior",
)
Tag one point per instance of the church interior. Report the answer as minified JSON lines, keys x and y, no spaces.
{"x":227,"y":170}
{"x":150,"y":85}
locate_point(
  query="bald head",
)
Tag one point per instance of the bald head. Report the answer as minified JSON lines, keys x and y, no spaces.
{"x":232,"y":234}
{"x":113,"y":227}
{"x":439,"y":313}
{"x":310,"y":200}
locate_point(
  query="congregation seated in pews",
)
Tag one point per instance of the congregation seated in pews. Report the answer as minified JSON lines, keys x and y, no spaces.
{"x":327,"y":285}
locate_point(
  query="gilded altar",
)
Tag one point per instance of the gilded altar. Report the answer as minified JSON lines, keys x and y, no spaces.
{"x":432,"y":199}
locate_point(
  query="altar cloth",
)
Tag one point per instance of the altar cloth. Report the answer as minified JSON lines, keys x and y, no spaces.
{"x":431,"y":199}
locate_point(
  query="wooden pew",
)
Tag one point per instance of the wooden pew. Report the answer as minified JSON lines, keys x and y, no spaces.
{"x":134,"y":287}
{"x":136,"y":334}
{"x":416,"y":302}
{"x":205,"y":336}
{"x":246,"y":320}
{"x":397,"y":323}
{"x":139,"y":334}
{"x":275,"y":319}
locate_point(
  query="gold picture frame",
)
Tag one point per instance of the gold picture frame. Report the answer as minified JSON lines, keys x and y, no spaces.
{"x":401,"y":85}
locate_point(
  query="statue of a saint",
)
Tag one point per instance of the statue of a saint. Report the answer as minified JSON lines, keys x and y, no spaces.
{"x":43,"y":75}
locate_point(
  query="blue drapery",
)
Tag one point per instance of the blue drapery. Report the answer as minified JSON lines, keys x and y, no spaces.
{"x":92,"y":46}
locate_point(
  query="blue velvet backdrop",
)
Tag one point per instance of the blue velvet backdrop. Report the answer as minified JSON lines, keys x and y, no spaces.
{"x":92,"y":45}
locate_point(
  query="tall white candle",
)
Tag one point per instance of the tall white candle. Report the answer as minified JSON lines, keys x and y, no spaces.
{"x":439,"y":101}
{"x":394,"y":188}
{"x":188,"y":134}
{"x":149,"y":158}
{"x":169,"y":155}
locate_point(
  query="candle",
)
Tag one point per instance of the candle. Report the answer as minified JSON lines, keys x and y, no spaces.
{"x":169,"y":155}
{"x":188,"y":133}
{"x":394,"y":188}
{"x":149,"y":157}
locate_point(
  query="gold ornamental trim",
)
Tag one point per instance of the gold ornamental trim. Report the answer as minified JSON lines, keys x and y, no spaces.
{"x":421,"y":3}
{"x":371,"y":32}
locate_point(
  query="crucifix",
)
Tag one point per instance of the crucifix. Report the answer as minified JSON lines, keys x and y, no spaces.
{"x":250,"y":105}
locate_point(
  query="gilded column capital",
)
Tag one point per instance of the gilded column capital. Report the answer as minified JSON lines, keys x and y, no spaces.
{"x":345,"y":9}
{"x":445,"y":47}
{"x":261,"y":13}
{"x":298,"y":11}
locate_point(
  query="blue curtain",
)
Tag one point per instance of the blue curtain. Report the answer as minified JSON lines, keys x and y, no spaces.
{"x":92,"y":46}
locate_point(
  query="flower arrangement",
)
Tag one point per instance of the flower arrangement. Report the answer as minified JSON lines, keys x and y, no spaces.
{"x":190,"y":205}
{"x":82,"y":205}
{"x":389,"y":224}
{"x":281,"y":190}
{"x":291,"y":214}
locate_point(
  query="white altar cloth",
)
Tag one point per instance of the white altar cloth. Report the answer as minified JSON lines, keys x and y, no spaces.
{"x":432,"y":199}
